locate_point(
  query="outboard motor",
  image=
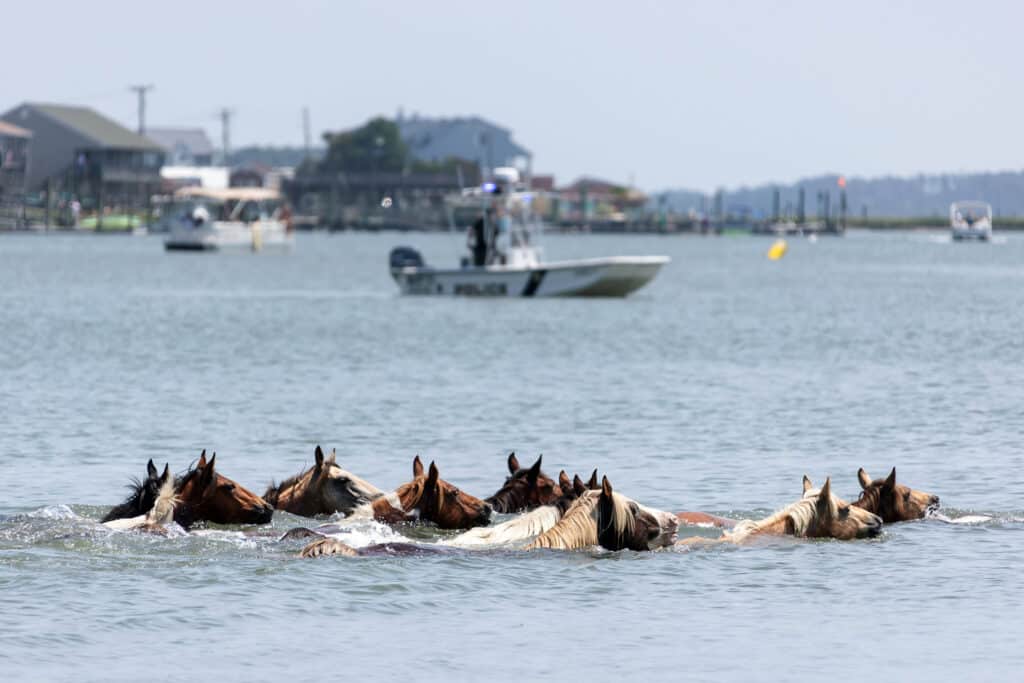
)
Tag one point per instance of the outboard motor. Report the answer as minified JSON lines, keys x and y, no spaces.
{"x":405,"y":257}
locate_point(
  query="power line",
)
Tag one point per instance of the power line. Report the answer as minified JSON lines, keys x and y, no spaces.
{"x":141,"y":91}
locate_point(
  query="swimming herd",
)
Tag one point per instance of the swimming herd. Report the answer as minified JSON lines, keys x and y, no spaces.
{"x":562,"y":513}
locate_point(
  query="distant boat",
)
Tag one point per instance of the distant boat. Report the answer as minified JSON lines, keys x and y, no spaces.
{"x":970,"y":220}
{"x":511,"y":263}
{"x":251,"y":218}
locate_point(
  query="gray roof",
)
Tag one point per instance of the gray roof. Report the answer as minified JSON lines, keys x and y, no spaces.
{"x":193,"y":139}
{"x":98,"y":128}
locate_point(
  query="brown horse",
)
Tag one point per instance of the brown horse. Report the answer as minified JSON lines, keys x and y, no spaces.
{"x":611,"y":520}
{"x":525,"y":488}
{"x":891,"y":501}
{"x":323,"y":489}
{"x":429,"y":498}
{"x":206,"y":495}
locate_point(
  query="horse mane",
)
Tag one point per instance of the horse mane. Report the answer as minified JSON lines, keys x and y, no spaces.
{"x":869,"y":499}
{"x":274,"y":490}
{"x":533,"y":523}
{"x":128,"y":508}
{"x":578,"y":527}
{"x":163,"y":508}
{"x":801,"y":514}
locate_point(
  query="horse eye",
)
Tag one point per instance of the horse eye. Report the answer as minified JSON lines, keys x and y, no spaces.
{"x":228,"y":487}
{"x":453,"y":492}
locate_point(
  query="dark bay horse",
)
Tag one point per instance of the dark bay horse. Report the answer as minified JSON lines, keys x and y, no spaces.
{"x":206,"y":495}
{"x":525,"y":488}
{"x":429,"y":498}
{"x":891,"y":501}
{"x":143,"y":496}
{"x":323,"y":489}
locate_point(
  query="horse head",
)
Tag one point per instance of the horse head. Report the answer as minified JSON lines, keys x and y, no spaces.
{"x":623,"y":523}
{"x":830,"y":516}
{"x":525,"y":488}
{"x":206,"y":495}
{"x":325,"y":488}
{"x":143,"y":497}
{"x":891,"y":501}
{"x":433,"y":499}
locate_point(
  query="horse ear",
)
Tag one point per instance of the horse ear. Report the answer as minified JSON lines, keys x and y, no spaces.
{"x":807,"y":484}
{"x":151,"y":468}
{"x":513,"y":463}
{"x":432,"y":476}
{"x":202,"y":460}
{"x":417,"y":467}
{"x":863,"y":478}
{"x":167,"y":473}
{"x":319,"y":455}
{"x":592,"y":482}
{"x":890,"y":481}
{"x":825,"y":498}
{"x":534,"y":472}
{"x":578,"y":487}
{"x":333,"y":460}
{"x":563,"y":482}
{"x":606,"y":488}
{"x":210,"y":464}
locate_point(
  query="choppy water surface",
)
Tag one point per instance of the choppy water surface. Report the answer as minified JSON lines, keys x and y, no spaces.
{"x":715,"y":388}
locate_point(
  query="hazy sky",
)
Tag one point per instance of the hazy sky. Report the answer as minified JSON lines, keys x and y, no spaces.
{"x":673,"y":94}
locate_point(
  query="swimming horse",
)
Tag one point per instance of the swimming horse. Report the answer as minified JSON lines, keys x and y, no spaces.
{"x":158,"y":516}
{"x":818,"y":514}
{"x":525,"y":488}
{"x":143,"y":496}
{"x":602,"y":517}
{"x":530,"y":524}
{"x":428,"y":498}
{"x":205,"y":495}
{"x":202,"y":494}
{"x":611,"y":520}
{"x":323,"y":489}
{"x":891,"y":501}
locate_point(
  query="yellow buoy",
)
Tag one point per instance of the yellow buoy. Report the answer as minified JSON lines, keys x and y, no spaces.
{"x":777,"y":250}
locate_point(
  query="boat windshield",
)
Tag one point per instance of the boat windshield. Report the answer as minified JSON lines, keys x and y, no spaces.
{"x":243,"y":210}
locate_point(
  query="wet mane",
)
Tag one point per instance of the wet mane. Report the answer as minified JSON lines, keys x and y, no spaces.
{"x":800,"y":515}
{"x":533,"y":523}
{"x":578,"y":527}
{"x":275,"y":490}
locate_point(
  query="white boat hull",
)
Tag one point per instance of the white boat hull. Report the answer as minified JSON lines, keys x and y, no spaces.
{"x":980,"y":234}
{"x":599,"y":277}
{"x":226,"y":235}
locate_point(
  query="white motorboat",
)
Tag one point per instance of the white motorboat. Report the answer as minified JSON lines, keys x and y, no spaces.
{"x":971,"y":220}
{"x":252,"y":218}
{"x":506,"y":260}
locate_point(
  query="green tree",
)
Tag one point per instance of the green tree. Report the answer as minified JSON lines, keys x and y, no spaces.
{"x":374,"y":146}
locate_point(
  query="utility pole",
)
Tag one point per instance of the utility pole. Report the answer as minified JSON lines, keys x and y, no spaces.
{"x":141,"y":91}
{"x":307,"y":135}
{"x":225,"y":132}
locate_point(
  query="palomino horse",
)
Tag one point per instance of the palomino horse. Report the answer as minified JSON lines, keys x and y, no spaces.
{"x":891,"y":501}
{"x":525,"y":488}
{"x":143,"y":496}
{"x":819,"y":514}
{"x":528,"y":525}
{"x":428,"y":498}
{"x":206,"y":495}
{"x":611,"y":520}
{"x":323,"y":489}
{"x":159,"y":516}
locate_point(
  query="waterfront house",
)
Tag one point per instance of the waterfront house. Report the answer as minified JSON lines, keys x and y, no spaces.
{"x":78,"y":152}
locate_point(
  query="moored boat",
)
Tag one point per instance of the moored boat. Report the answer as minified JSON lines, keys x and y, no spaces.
{"x":970,"y":220}
{"x":234,"y":218}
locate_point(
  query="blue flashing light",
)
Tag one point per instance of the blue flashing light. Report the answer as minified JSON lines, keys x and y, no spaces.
{"x":489,"y":187}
